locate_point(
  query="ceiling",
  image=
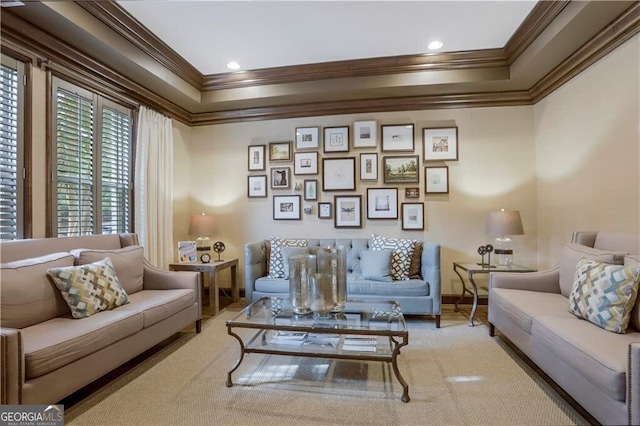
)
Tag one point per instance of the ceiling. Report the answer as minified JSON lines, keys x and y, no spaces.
{"x":267,"y":34}
{"x":303,"y":58}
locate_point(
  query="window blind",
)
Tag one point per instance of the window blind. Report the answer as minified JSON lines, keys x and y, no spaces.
{"x":9,"y":167}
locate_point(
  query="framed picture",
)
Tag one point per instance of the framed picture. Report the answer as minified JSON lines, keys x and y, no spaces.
{"x":305,"y":163}
{"x":310,"y":189}
{"x":325,"y":211}
{"x":256,"y":157}
{"x":412,"y":193}
{"x":382,"y":203}
{"x":280,"y":177}
{"x":286,"y":207}
{"x":279,"y":151}
{"x":336,"y":139}
{"x":398,"y":137}
{"x":436,"y":180}
{"x":401,"y":169}
{"x":257,"y":186}
{"x":348,"y":211}
{"x":440,"y":143}
{"x":369,"y":166}
{"x":339,"y":174}
{"x":365,"y":134}
{"x":413,"y":216}
{"x":307,"y":137}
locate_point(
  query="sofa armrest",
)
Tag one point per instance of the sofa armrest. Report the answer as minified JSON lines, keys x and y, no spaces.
{"x":633,"y":384}
{"x":544,"y":281}
{"x":12,"y":366}
{"x":159,"y":279}
{"x":430,"y":272}
{"x":255,"y":266}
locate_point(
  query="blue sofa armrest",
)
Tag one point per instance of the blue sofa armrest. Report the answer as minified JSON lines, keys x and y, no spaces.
{"x":255,"y":266}
{"x":430,"y":272}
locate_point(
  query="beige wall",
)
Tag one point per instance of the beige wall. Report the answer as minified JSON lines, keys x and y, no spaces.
{"x":588,"y":153}
{"x":496,"y":170}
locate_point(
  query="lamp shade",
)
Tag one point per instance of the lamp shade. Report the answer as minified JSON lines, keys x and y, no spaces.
{"x":503,"y":223}
{"x":202,"y":224}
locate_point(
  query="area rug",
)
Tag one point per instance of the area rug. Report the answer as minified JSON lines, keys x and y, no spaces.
{"x":457,"y":375}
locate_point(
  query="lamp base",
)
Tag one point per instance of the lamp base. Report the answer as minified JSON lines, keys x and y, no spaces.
{"x":503,"y":251}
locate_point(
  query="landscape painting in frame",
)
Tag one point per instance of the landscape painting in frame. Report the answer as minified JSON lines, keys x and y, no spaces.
{"x":401,"y":169}
{"x":280,"y":151}
{"x":365,"y":135}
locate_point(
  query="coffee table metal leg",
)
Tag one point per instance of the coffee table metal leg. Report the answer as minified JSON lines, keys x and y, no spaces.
{"x":239,"y":360}
{"x":396,"y":371}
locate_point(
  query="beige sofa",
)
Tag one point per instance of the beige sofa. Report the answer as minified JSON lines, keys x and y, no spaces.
{"x":598,"y":368}
{"x":47,"y":354}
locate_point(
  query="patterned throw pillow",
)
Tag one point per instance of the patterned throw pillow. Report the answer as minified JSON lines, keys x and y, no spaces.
{"x":604,"y":294}
{"x":402,"y":251}
{"x":276,"y":262}
{"x":89,"y":289}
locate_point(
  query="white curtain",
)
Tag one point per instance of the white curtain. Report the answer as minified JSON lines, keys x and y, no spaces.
{"x":154,"y":187}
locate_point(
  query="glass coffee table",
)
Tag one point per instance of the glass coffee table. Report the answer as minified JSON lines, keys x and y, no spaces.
{"x":365,"y":331}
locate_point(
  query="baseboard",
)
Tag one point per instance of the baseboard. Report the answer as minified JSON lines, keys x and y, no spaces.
{"x":451,"y":299}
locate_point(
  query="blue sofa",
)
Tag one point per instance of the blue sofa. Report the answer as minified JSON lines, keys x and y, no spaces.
{"x":416,"y":296}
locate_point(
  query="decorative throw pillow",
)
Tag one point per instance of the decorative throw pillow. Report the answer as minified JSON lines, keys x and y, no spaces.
{"x":291,"y":251}
{"x":402,"y":250}
{"x":604,"y":294}
{"x":416,"y":261}
{"x":276,"y":263}
{"x":89,"y":289}
{"x":376,"y":265}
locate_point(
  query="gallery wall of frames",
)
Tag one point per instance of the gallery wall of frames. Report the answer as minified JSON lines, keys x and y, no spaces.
{"x":324,"y":162}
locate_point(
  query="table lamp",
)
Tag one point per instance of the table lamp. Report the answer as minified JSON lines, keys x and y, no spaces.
{"x":502,"y":225}
{"x":202,"y":225}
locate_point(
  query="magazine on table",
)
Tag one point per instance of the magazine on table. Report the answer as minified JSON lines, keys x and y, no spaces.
{"x":187,"y":251}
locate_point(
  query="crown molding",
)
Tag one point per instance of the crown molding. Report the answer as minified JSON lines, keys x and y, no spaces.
{"x":613,"y":35}
{"x":473,"y":100}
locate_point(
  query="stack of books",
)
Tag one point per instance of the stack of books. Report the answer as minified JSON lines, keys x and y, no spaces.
{"x":291,"y":338}
{"x":359,"y":343}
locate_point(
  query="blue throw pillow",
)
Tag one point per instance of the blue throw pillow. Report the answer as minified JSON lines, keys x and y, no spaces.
{"x":376,"y":265}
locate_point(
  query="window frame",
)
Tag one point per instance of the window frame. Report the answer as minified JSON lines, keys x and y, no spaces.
{"x":99,"y":102}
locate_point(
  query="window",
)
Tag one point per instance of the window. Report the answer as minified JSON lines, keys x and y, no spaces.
{"x":92,"y":163}
{"x":11,"y":149}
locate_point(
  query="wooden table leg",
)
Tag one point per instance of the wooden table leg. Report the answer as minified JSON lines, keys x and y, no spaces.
{"x":234,"y":283}
{"x":214,"y":297}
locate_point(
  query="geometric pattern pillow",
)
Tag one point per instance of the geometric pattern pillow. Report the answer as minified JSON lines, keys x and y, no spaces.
{"x":604,"y":294}
{"x":89,"y":289}
{"x":276,"y":262}
{"x":401,"y":254}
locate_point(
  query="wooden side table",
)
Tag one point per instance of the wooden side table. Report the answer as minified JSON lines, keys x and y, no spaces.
{"x":474,"y":268}
{"x":209,"y":273}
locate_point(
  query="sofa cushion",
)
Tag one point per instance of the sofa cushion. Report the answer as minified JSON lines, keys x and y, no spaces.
{"x":402,"y":251}
{"x":21,"y":305}
{"x":357,"y":285}
{"x":522,"y":306}
{"x":272,"y":285}
{"x":571,"y":254}
{"x":598,"y":355}
{"x":604,"y":294}
{"x":89,"y":289}
{"x":276,"y":263}
{"x":127,"y":261}
{"x":290,"y":251}
{"x":55,"y":343}
{"x":376,"y":265}
{"x":158,"y":305}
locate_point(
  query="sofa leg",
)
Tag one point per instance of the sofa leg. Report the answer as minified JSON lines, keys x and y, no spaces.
{"x":492,"y":330}
{"x":198,"y":326}
{"x":437,"y":321}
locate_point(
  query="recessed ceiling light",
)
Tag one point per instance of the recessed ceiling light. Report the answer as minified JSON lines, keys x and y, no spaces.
{"x":233,"y":66}
{"x":435,"y":45}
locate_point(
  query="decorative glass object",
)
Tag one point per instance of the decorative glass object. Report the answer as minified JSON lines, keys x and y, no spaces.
{"x":322,"y":294}
{"x":332,"y":262}
{"x":301,"y":270}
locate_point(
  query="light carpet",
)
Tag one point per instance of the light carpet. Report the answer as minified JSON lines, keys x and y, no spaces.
{"x":457,"y":375}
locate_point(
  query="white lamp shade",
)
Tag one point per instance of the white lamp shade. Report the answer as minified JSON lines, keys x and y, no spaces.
{"x":503,"y":223}
{"x":202,"y":224}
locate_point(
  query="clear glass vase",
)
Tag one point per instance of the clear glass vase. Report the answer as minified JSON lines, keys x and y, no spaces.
{"x":332,"y":262}
{"x":301,"y":270}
